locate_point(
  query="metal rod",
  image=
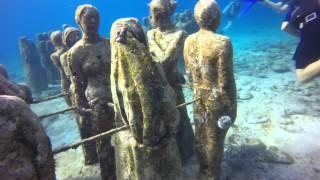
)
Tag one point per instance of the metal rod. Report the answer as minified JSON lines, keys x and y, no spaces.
{"x":187,"y":103}
{"x":55,"y":113}
{"x":109,"y":104}
{"x":49,"y":98}
{"x":99,"y":136}
{"x":185,"y":86}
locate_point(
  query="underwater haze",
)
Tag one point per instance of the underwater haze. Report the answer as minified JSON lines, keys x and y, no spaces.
{"x":27,"y":18}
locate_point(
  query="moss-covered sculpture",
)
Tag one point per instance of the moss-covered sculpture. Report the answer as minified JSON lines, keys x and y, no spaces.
{"x":8,"y":87}
{"x":209,"y":62}
{"x":143,"y":99}
{"x":45,"y":49}
{"x":34,"y":72}
{"x":166,"y":45}
{"x":56,"y":39}
{"x":25,"y":148}
{"x":90,"y":63}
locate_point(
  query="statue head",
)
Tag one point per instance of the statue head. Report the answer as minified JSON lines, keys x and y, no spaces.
{"x":88,"y":18}
{"x":71,"y":35}
{"x":207,"y":14}
{"x":56,"y":38}
{"x":126,"y":28}
{"x":161,"y":9}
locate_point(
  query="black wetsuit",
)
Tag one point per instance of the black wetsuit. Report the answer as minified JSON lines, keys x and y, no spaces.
{"x":308,"y":50}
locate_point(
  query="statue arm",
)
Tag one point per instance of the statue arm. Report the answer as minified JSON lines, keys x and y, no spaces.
{"x":187,"y":61}
{"x":56,"y":61}
{"x":114,"y":85}
{"x":79,"y":81}
{"x":173,"y":51}
{"x":225,"y":67}
{"x":140,"y":72}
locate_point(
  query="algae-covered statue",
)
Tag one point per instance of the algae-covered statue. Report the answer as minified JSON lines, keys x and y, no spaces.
{"x":71,"y":36}
{"x":209,"y":61}
{"x":8,"y":87}
{"x":143,"y":99}
{"x":25,"y":149}
{"x":166,"y":45}
{"x":45,"y":49}
{"x":90,"y":63}
{"x":56,"y":39}
{"x":34,"y":72}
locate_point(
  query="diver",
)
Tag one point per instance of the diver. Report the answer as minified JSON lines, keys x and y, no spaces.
{"x":302,"y":20}
{"x":281,"y":6}
{"x":231,"y":11}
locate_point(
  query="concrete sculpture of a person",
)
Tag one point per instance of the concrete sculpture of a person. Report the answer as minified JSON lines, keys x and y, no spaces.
{"x":69,"y":37}
{"x":90,"y":64}
{"x":56,"y":39}
{"x":144,"y":100}
{"x":45,"y":48}
{"x":25,"y":149}
{"x":166,"y":45}
{"x":35,"y":74}
{"x":209,"y":62}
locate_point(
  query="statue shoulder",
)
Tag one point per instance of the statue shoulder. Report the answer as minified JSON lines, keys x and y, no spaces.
{"x":224,"y":41}
{"x":191,"y":38}
{"x":181,"y":32}
{"x":151,"y":31}
{"x":150,"y":34}
{"x":78,"y":46}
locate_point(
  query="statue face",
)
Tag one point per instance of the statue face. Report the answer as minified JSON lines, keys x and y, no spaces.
{"x":127,"y":28}
{"x":73,"y":37}
{"x":156,"y":13}
{"x":90,"y":21}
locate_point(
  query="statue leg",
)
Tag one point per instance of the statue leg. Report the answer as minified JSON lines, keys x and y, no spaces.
{"x":89,"y":149}
{"x":103,"y":121}
{"x":209,"y":144}
{"x":185,"y":135}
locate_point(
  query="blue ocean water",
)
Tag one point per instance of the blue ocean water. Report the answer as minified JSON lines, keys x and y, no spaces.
{"x":26,"y":18}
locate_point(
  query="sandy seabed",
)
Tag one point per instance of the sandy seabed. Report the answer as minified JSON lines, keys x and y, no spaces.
{"x":276,"y":130}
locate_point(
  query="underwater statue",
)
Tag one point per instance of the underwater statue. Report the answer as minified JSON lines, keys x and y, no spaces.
{"x":8,"y":87}
{"x":45,"y":49}
{"x":209,"y":63}
{"x":145,"y":101}
{"x":166,"y":45}
{"x":34,"y":72}
{"x":25,"y":149}
{"x":56,"y":39}
{"x":70,"y":36}
{"x":90,"y":61}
